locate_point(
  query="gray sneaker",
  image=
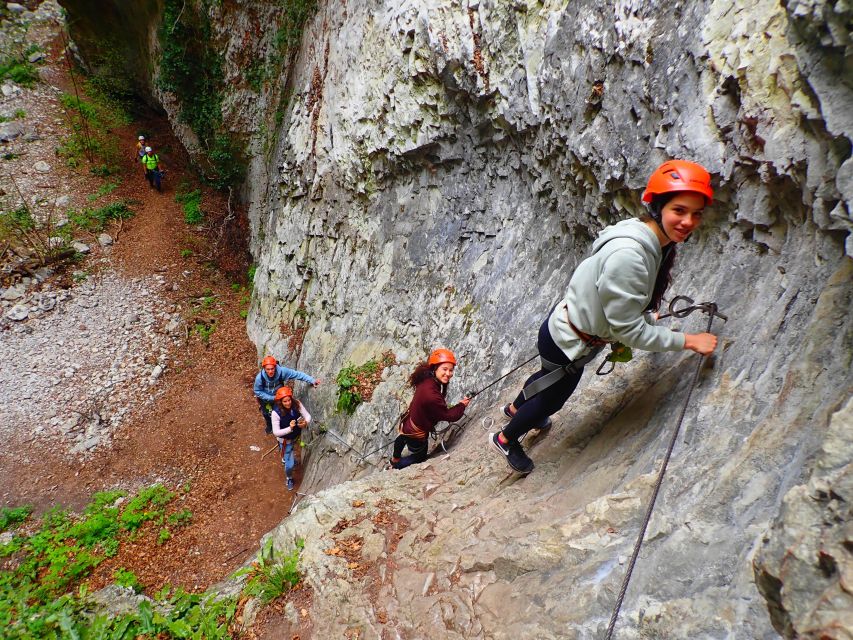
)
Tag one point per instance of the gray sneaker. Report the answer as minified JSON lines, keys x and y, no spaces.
{"x":514,"y":454}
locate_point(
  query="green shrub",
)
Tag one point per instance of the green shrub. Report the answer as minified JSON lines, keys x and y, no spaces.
{"x":97,"y":219}
{"x":191,"y":201}
{"x":19,"y":71}
{"x":10,"y":517}
{"x":124,"y":578}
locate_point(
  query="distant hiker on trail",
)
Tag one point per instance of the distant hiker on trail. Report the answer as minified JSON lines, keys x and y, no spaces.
{"x":428,"y":407}
{"x":270,"y":379}
{"x":140,"y":148}
{"x":153,"y":169}
{"x":610,"y":299}
{"x":289,"y":418}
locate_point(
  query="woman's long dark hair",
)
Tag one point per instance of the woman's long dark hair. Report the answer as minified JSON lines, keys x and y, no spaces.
{"x":664,"y":276}
{"x":423,"y":372}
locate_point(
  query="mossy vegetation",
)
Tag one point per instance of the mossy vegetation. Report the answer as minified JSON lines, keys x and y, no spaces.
{"x":191,"y":68}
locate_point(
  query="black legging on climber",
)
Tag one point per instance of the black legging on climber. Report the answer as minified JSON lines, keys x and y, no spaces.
{"x":427,"y":408}
{"x":611,"y":298}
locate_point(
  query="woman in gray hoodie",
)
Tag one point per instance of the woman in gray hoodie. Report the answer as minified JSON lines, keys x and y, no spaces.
{"x":611,"y":298}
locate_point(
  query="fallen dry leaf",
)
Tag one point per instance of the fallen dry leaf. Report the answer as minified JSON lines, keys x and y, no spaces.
{"x":358,"y":503}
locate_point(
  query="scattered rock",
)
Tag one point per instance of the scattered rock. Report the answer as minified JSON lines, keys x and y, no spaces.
{"x":9,"y":90}
{"x":105,"y":239}
{"x":42,"y":167}
{"x":55,"y":242}
{"x":174,"y":325}
{"x":80,"y":247}
{"x":62,"y":201}
{"x":14,"y":7}
{"x":18,"y":312}
{"x":35,"y":56}
{"x":15,"y":292}
{"x":10,"y":130}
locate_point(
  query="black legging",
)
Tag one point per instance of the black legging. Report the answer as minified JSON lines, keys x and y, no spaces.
{"x":533,"y":412}
{"x":417,"y":450}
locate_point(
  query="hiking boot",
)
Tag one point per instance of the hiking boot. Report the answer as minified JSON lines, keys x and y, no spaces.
{"x":290,"y":484}
{"x":515,"y":456}
{"x":268,"y":430}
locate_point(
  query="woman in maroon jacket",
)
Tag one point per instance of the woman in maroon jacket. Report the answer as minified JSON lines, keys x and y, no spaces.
{"x":427,"y":408}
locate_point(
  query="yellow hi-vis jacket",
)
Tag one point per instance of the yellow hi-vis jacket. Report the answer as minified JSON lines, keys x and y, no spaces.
{"x":150,"y":162}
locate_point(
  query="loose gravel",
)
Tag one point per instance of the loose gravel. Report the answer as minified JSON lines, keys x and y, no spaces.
{"x":84,"y":358}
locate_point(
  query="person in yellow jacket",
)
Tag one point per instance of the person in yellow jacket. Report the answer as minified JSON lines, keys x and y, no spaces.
{"x":153,"y":168}
{"x":140,"y":148}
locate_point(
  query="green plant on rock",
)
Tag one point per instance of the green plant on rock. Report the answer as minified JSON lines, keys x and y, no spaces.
{"x":273,"y":574}
{"x":356,"y":383}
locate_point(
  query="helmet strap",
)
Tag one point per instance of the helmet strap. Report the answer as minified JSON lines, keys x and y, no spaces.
{"x":656,"y":210}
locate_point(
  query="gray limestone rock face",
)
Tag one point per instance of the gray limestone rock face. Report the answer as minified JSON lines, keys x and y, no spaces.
{"x":804,"y":565}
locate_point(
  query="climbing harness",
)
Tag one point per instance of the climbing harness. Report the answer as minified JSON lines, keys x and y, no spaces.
{"x":557,"y":372}
{"x":711,"y":309}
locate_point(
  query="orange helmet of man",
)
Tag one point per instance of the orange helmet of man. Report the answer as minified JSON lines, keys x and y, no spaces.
{"x":679,"y":175}
{"x":440,"y":356}
{"x":283,"y":392}
{"x":269,"y":360}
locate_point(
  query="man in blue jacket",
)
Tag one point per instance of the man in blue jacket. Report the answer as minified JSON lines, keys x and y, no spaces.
{"x":270,"y":379}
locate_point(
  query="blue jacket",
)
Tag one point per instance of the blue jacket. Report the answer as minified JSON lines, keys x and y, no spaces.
{"x":265,"y":387}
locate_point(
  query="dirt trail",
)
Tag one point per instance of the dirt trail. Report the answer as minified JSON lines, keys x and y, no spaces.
{"x":200,"y":432}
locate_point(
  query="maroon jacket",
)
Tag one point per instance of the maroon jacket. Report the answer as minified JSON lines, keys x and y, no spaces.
{"x":427,"y":409}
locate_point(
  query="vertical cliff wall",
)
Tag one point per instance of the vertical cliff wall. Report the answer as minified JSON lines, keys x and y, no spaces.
{"x":442,"y":169}
{"x":429,"y":173}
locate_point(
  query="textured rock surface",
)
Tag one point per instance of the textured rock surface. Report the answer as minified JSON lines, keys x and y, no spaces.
{"x":804,"y":567}
{"x":439,"y":170}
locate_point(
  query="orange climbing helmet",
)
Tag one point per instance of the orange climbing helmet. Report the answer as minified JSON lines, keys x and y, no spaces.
{"x":269,"y":360}
{"x":679,"y":175}
{"x":283,"y":392}
{"x":440,"y":356}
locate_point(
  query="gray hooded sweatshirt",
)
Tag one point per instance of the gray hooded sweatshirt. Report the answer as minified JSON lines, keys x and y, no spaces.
{"x":609,"y":291}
